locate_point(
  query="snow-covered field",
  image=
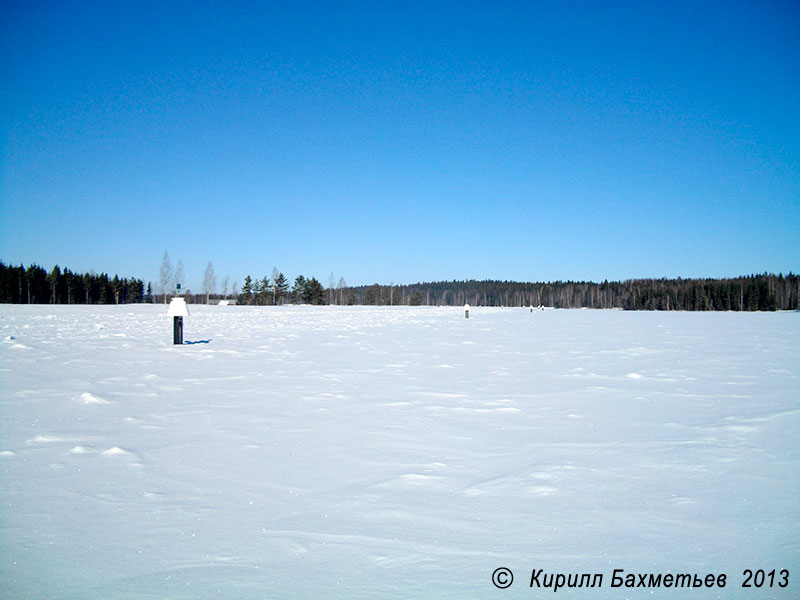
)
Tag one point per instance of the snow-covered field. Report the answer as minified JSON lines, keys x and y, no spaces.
{"x":355,"y":452}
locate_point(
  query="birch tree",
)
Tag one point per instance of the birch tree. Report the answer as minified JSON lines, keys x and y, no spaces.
{"x":342,"y":285}
{"x":275,"y":274}
{"x":179,"y":276}
{"x":166,"y":275}
{"x":209,"y":281}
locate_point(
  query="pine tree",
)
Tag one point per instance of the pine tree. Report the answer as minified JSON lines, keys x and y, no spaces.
{"x":106,"y":293}
{"x":298,"y":289}
{"x":313,"y":292}
{"x":52,"y":282}
{"x":257,"y":292}
{"x":247,"y":290}
{"x":264,"y":291}
{"x":372,"y":295}
{"x":136,"y":291}
{"x":116,"y":289}
{"x":280,"y":286}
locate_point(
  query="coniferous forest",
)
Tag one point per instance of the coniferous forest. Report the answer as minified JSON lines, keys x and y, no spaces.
{"x":34,"y":285}
{"x":765,"y":292}
{"x":751,"y":293}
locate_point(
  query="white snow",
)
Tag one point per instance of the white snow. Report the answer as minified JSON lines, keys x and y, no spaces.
{"x":89,"y":398}
{"x":356,"y":452}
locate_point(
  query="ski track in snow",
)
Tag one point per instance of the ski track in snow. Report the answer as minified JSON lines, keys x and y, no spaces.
{"x":356,"y":452}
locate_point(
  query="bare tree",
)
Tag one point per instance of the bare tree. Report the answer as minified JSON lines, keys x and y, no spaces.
{"x":275,"y":275}
{"x":166,"y":275}
{"x":209,"y":281}
{"x":330,"y":288}
{"x":179,"y":276}
{"x":225,"y":286}
{"x":342,"y":285}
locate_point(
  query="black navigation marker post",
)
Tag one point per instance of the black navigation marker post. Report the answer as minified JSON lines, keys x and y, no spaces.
{"x":177,"y":330}
{"x":177,"y":310}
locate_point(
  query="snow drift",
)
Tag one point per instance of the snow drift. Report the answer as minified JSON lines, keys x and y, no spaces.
{"x":332,"y":452}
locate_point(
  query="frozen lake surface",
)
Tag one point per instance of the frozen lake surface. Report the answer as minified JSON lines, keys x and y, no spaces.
{"x":356,"y":452}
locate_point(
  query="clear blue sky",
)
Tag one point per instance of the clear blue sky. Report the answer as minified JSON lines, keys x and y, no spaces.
{"x":402,"y":141}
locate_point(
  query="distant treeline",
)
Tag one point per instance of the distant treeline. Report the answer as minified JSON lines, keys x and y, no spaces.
{"x":766,"y":292}
{"x":34,"y":285}
{"x":756,"y":292}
